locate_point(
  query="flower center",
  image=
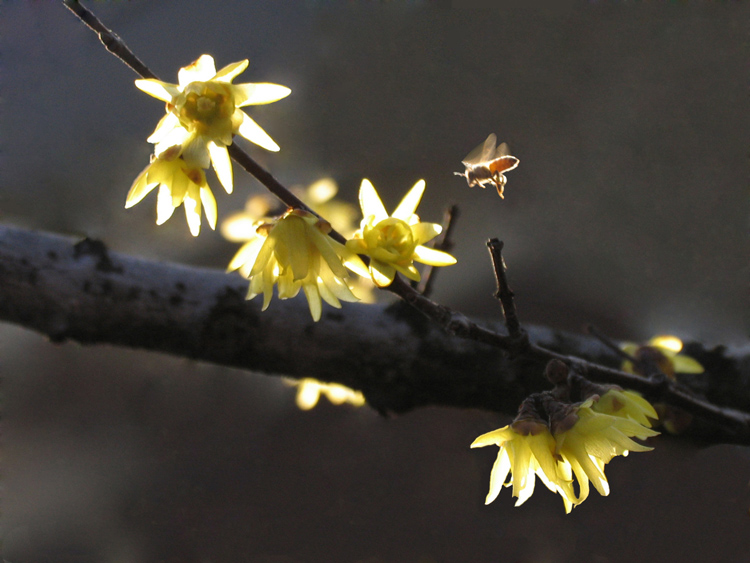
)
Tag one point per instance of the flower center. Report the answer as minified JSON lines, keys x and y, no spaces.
{"x":204,"y":106}
{"x":391,"y":240}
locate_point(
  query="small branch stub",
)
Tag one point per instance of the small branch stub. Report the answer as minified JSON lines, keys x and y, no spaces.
{"x":504,"y":293}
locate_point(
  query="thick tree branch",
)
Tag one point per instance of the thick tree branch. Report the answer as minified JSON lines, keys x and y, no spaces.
{"x":78,"y":290}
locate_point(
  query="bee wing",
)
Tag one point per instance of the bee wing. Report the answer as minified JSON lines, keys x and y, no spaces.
{"x":483,"y":152}
{"x":502,"y":150}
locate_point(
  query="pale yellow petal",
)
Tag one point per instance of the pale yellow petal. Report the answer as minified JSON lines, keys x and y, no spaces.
{"x":222,"y":164}
{"x":425,"y":232}
{"x":433,"y":257}
{"x":686,"y":364}
{"x":209,"y":205}
{"x":495,"y":438}
{"x":264,"y":255}
{"x":175,"y":137}
{"x":382,"y":274}
{"x":164,"y":207}
{"x":164,"y":127}
{"x":411,"y":200}
{"x":247,"y":254}
{"x":258,"y":93}
{"x":255,"y":134}
{"x":313,"y":300}
{"x":201,"y":70}
{"x":141,"y":188}
{"x":193,"y":215}
{"x":370,"y":201}
{"x":499,"y":473}
{"x":163,"y":91}
{"x":231,"y":71}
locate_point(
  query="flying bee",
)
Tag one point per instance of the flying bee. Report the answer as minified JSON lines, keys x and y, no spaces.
{"x":487,"y":164}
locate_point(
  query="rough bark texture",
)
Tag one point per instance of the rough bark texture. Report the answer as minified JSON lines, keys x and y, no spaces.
{"x":77,"y":290}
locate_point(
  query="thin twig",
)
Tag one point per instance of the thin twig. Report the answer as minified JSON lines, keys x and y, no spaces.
{"x":110,"y":39}
{"x":442,"y":242}
{"x":504,"y":293}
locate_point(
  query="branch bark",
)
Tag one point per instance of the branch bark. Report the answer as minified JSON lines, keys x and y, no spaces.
{"x":78,"y":290}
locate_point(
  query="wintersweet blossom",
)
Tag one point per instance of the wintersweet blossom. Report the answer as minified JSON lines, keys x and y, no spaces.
{"x":527,"y":449}
{"x":663,"y":352}
{"x":588,"y":440}
{"x":242,"y":226}
{"x":394,"y":242}
{"x":203,"y":113}
{"x":179,"y":183}
{"x":309,"y":391}
{"x":295,"y":252}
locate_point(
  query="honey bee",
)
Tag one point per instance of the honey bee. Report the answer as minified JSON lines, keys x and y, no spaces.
{"x":487,"y":164}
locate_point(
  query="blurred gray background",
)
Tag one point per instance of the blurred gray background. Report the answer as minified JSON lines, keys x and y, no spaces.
{"x":629,"y":210}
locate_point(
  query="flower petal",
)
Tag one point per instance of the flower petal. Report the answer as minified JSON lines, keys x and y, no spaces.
{"x":209,"y":204}
{"x":164,"y":127}
{"x":433,"y":257}
{"x":372,"y":205}
{"x":222,"y":164}
{"x":163,"y":91}
{"x":255,"y":134}
{"x":164,"y":207}
{"x":313,"y":300}
{"x":193,"y":215}
{"x":425,"y":232}
{"x":258,"y":93}
{"x":382,"y":274}
{"x":231,"y":71}
{"x":686,"y":364}
{"x":200,"y":70}
{"x":409,"y":204}
{"x":141,"y":188}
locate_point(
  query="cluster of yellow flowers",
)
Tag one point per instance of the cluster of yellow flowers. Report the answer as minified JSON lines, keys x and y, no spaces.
{"x":202,"y":115}
{"x":573,"y":440}
{"x":293,"y":251}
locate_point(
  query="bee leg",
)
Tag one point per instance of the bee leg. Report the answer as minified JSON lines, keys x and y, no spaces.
{"x":499,"y":181}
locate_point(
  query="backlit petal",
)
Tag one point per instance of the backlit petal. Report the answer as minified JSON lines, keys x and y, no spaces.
{"x":255,"y":134}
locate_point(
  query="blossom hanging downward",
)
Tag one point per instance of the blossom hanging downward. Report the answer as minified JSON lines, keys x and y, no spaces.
{"x":297,"y":253}
{"x":179,"y":183}
{"x":394,"y":242}
{"x":526,"y":450}
{"x":557,"y":441}
{"x":203,"y":113}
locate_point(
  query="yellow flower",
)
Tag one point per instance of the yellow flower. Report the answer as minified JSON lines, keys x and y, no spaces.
{"x":662,"y":352}
{"x":587,"y":440}
{"x":297,"y":253}
{"x":526,"y":450}
{"x":203,"y":113}
{"x":627,"y":404}
{"x":309,"y":391}
{"x":179,"y":183}
{"x":320,"y":196}
{"x":394,"y":242}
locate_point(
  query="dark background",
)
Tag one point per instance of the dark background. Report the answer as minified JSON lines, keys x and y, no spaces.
{"x":629,"y":210}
